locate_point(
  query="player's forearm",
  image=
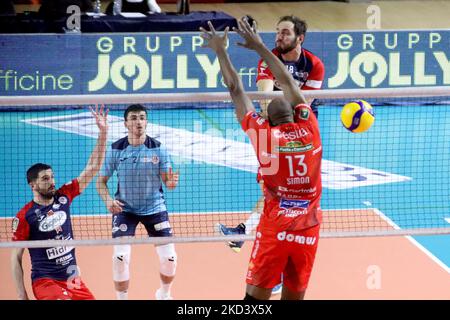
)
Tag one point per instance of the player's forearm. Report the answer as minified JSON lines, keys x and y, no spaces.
{"x":102,"y":189}
{"x":17,"y":271}
{"x":98,"y":154}
{"x":265,"y":85}
{"x":230,"y":76}
{"x":232,"y":80}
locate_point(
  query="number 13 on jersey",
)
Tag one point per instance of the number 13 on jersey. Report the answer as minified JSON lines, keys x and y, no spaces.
{"x":297,"y":167}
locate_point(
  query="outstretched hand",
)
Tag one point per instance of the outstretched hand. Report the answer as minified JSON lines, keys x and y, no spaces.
{"x":249,"y":34}
{"x":101,"y":117}
{"x":212,"y":39}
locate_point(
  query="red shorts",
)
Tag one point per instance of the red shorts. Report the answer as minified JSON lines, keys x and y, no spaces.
{"x":290,"y":253}
{"x":49,"y":289}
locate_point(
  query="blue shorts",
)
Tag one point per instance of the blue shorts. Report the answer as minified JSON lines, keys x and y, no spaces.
{"x":125,"y":223}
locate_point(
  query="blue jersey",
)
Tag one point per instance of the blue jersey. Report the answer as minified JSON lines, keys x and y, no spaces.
{"x":37,"y":222}
{"x":139,"y":174}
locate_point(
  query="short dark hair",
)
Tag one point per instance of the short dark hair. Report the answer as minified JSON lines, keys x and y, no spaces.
{"x":134,"y":108}
{"x":300,"y":26}
{"x":33,"y":171}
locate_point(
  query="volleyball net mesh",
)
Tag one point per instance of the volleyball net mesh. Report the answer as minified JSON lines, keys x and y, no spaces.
{"x":393,"y":179}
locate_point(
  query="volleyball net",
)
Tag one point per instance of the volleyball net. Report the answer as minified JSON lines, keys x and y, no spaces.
{"x":393,"y":179}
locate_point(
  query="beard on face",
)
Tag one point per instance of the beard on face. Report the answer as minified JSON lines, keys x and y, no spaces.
{"x":290,"y":47}
{"x":48,"y":194}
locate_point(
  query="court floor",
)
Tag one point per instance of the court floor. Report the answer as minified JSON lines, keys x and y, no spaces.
{"x":387,"y":178}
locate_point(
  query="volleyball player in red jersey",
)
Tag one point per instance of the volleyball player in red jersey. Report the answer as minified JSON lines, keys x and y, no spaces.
{"x":54,"y":270}
{"x":308,"y":72}
{"x":289,"y":151}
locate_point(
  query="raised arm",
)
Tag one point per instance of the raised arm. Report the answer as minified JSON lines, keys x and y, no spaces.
{"x":254,"y":42}
{"x":98,"y":154}
{"x":241,"y":101}
{"x":17,"y":273}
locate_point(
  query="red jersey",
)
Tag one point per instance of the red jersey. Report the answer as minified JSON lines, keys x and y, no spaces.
{"x":308,"y":71}
{"x":290,"y":157}
{"x":39,"y":222}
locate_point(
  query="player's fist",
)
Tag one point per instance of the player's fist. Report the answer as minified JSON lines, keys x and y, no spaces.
{"x":114,"y":206}
{"x":171,"y":179}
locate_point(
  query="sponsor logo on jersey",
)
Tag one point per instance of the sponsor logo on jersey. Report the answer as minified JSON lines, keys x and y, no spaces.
{"x":293,"y":208}
{"x":62,"y":200}
{"x":308,"y":190}
{"x":57,"y":252}
{"x":301,"y":76}
{"x":295,"y":146}
{"x":304,"y":113}
{"x":155,"y":159}
{"x":52,"y":221}
{"x":289,"y":237}
{"x":260,"y":121}
{"x":15,"y":224}
{"x":291,"y":135}
{"x":56,"y":206}
{"x":292,"y":213}
{"x":290,"y":204}
{"x":64,"y":260}
{"x":317,"y":150}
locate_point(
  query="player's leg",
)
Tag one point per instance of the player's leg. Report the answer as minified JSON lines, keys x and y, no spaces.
{"x":257,"y":293}
{"x":267,"y":261}
{"x":300,"y":263}
{"x":123,"y":225}
{"x":287,"y":294}
{"x":158,"y":225}
{"x":167,"y":269}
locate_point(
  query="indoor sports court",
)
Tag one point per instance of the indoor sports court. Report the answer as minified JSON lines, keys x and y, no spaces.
{"x":386,"y":191}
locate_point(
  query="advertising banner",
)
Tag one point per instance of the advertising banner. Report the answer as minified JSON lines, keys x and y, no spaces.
{"x":176,"y":62}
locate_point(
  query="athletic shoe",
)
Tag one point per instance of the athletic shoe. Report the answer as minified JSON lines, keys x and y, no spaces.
{"x":277,"y":289}
{"x":240,"y":229}
{"x":159,"y":295}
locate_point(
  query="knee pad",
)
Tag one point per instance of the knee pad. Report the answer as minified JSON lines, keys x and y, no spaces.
{"x":121,"y":262}
{"x":167,"y":259}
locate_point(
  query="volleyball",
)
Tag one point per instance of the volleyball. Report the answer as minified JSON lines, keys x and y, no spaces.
{"x":357,"y":116}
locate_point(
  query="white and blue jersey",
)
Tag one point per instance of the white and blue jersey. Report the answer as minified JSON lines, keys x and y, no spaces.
{"x":139,"y":174}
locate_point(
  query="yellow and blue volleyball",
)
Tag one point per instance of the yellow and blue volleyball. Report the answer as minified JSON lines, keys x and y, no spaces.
{"x":357,"y":116}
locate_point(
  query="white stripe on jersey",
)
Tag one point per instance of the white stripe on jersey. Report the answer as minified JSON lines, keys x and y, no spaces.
{"x":314,"y":84}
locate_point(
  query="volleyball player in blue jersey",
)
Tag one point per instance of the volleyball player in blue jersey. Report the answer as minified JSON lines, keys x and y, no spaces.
{"x":142,"y":165}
